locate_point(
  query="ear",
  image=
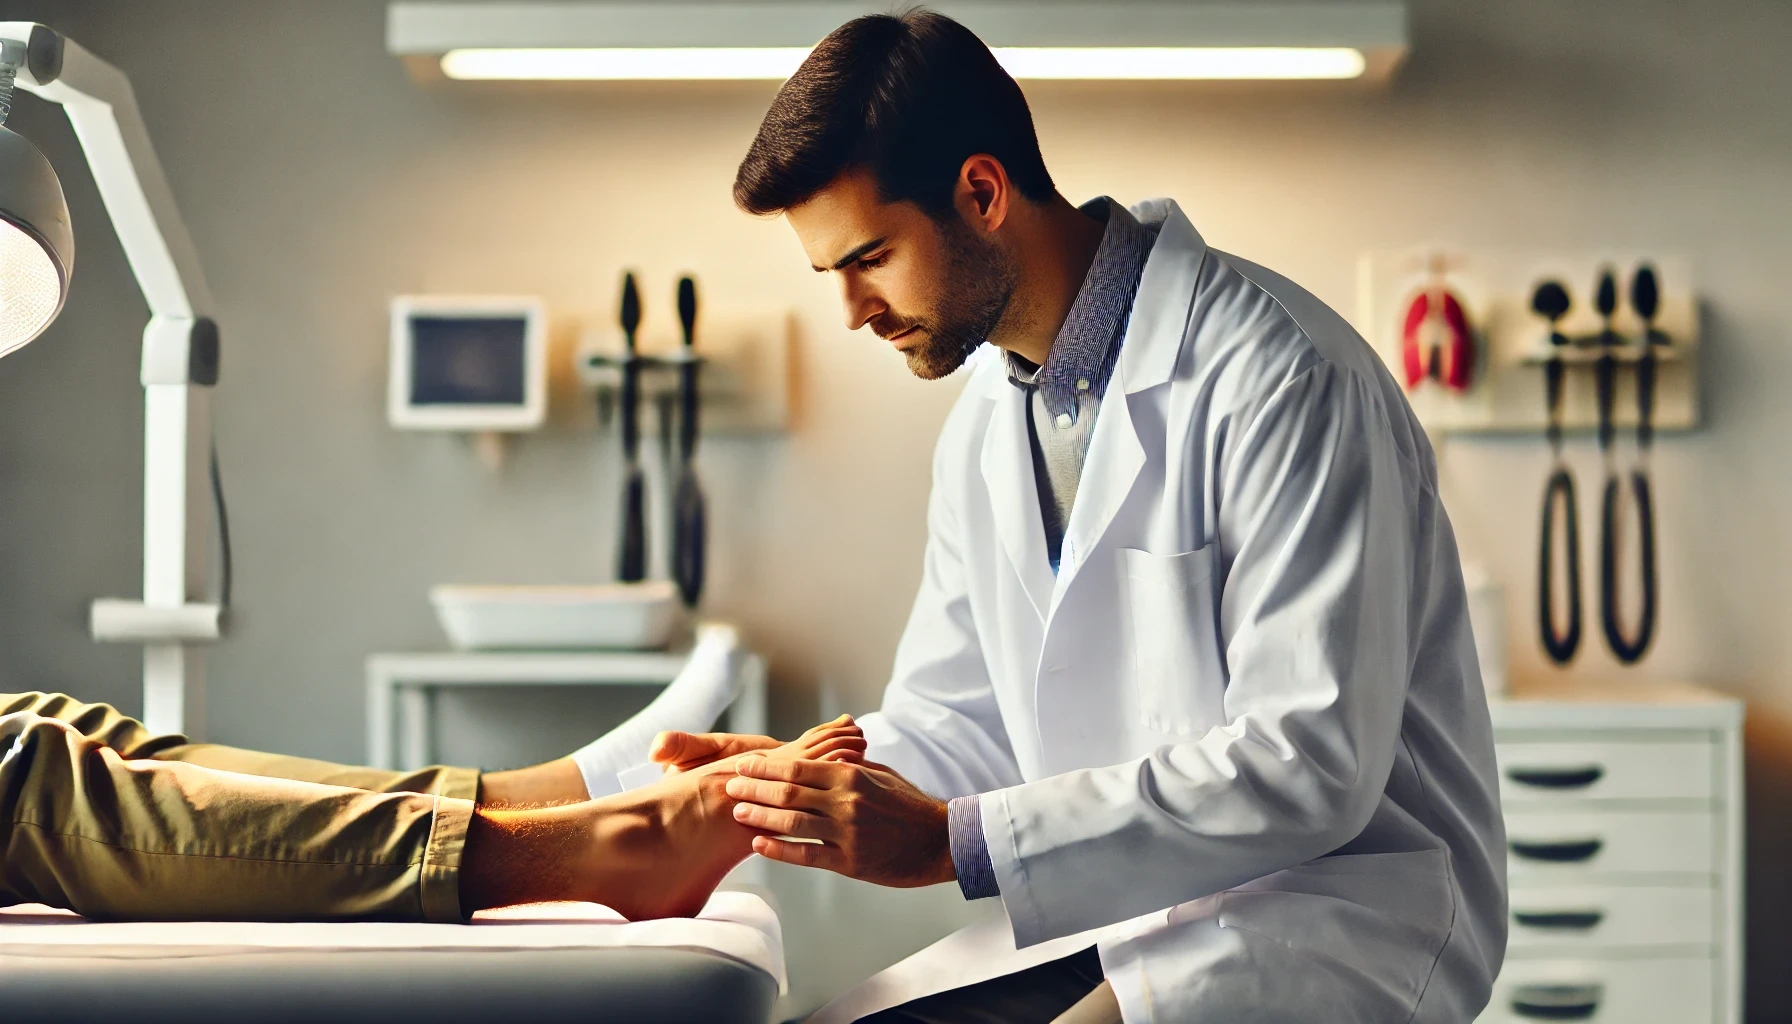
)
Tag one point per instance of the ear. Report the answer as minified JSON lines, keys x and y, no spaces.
{"x":983,"y":193}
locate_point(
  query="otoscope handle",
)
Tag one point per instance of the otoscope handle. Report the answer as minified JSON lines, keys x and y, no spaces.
{"x":631,"y":403}
{"x":1645,"y":400}
{"x":1605,"y":373}
{"x":687,"y":414}
{"x":687,"y":373}
{"x":631,"y":368}
{"x":1552,"y":391}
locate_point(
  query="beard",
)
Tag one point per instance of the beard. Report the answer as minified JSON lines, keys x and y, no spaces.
{"x":976,"y":283}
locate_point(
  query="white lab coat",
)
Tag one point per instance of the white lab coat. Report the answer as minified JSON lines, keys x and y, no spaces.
{"x":1239,"y":741}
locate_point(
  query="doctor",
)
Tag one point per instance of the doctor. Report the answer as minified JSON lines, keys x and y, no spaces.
{"x":1189,"y":684}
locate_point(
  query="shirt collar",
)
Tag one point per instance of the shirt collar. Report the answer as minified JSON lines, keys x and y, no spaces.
{"x":1081,"y":359}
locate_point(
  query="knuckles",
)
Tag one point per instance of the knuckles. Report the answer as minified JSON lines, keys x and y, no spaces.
{"x":853,"y":807}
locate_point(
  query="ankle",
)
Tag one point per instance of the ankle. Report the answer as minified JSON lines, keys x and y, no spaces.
{"x":626,"y":837}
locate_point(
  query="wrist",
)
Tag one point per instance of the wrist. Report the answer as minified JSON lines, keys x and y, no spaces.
{"x":942,"y":867}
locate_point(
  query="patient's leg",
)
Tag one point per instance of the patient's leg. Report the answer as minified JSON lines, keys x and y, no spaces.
{"x":657,"y":851}
{"x":92,"y":820}
{"x":101,"y":816}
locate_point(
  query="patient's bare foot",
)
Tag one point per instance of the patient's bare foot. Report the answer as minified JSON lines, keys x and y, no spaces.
{"x":661,"y":850}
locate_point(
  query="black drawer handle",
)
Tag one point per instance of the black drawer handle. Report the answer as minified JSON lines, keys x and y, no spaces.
{"x":1560,"y":851}
{"x":1566,"y":920}
{"x":1563,"y":777}
{"x":1557,"y":1002}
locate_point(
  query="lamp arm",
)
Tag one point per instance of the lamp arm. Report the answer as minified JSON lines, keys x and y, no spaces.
{"x":180,"y":364}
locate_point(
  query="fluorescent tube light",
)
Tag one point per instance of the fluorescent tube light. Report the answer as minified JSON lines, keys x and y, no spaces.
{"x":625,"y":64}
{"x":1181,"y":62}
{"x":1027,"y":62}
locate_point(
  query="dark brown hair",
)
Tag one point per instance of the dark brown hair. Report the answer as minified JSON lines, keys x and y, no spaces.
{"x":910,"y":97}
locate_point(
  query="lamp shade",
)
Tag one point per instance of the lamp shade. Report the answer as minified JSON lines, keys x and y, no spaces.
{"x":37,"y":248}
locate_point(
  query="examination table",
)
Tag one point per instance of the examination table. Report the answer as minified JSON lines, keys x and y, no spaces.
{"x":547,"y":962}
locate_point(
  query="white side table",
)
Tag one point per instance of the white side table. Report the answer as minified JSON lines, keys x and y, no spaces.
{"x":401,"y":689}
{"x":1624,"y":816}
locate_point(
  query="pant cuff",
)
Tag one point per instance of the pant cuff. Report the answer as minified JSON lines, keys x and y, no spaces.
{"x":458,"y":783}
{"x":440,"y":882}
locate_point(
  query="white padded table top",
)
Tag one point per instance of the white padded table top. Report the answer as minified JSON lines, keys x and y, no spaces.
{"x":544,"y":961}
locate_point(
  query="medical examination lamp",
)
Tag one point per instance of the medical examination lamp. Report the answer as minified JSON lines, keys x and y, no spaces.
{"x":36,"y":248}
{"x":180,"y":343}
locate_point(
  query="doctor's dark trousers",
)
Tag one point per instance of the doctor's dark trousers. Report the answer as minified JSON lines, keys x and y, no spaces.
{"x":103,"y":817}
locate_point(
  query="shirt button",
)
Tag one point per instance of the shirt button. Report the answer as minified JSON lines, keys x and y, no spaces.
{"x":1063,"y":421}
{"x":1082,"y":385}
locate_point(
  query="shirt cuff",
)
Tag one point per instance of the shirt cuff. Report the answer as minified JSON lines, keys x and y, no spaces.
{"x":970,"y":851}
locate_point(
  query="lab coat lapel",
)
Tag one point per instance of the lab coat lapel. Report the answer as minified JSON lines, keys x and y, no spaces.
{"x":1014,"y":496}
{"x":1148,"y":354}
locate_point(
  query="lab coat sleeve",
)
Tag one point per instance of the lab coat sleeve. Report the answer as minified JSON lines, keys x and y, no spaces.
{"x":1314,"y":511}
{"x":939,"y":725}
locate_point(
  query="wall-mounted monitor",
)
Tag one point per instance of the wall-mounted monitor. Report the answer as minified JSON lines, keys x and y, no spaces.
{"x":469,"y":363}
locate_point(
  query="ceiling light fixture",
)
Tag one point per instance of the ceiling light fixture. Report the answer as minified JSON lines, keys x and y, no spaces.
{"x":627,"y":40}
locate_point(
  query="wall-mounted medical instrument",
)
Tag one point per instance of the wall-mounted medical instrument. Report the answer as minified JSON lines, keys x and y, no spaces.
{"x":1560,"y":640}
{"x":1645,"y":299}
{"x":687,"y":522}
{"x":180,"y":346}
{"x":1608,"y":349}
{"x":471,"y":364}
{"x":631,"y":558}
{"x":1606,"y":366}
{"x":734,"y":379}
{"x":1506,"y":392}
{"x":689,"y":529}
{"x":1436,"y":342}
{"x":610,"y":40}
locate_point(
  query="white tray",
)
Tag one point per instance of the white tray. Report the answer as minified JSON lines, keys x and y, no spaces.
{"x":615,"y":616}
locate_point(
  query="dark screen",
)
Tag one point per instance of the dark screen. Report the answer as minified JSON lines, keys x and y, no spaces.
{"x":467,"y":360}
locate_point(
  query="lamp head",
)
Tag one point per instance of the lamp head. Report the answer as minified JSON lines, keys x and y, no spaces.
{"x":37,"y":247}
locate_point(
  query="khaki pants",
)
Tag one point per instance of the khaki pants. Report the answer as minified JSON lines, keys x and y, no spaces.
{"x":100,"y":816}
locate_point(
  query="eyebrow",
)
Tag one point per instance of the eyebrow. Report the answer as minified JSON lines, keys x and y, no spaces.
{"x":852,"y":257}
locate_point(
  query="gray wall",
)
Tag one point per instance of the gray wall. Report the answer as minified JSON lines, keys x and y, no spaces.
{"x":318,"y":180}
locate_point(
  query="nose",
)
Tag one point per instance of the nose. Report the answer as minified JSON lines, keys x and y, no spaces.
{"x":859,"y":303}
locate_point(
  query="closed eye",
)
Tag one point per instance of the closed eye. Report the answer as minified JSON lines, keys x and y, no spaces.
{"x":873,"y":262}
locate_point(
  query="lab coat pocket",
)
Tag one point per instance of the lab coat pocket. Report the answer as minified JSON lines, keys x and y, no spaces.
{"x":1172,"y":630}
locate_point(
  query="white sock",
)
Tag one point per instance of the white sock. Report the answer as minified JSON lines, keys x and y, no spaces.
{"x":690,"y":703}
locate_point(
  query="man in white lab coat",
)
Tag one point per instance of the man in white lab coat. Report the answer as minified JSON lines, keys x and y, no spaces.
{"x":1189,"y":683}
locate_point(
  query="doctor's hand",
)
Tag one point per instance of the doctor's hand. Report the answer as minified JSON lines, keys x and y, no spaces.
{"x":872,"y":823}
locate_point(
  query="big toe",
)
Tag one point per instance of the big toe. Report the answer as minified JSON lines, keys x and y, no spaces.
{"x":671,"y":747}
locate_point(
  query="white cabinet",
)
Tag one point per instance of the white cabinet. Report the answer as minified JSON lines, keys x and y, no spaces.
{"x":1680,"y":990}
{"x":1623,"y":806}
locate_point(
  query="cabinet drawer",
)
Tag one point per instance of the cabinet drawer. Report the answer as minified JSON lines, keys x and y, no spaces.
{"x":1569,"y":917}
{"x":1608,"y":992}
{"x":1568,"y":844}
{"x":1643,"y":770}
